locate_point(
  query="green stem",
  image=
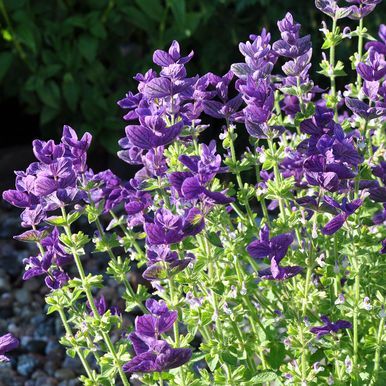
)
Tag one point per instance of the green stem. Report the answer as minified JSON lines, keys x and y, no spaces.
{"x":93,"y":307}
{"x":15,"y":39}
{"x":277,"y":175}
{"x":245,"y":200}
{"x":261,"y":199}
{"x":128,"y":234}
{"x":176,"y":332}
{"x":112,"y":256}
{"x":355,"y":324}
{"x":306,"y":289}
{"x":360,"y":51}
{"x":378,"y":350}
{"x":304,"y":354}
{"x":79,"y":352}
{"x":67,"y":326}
{"x":332,"y":67}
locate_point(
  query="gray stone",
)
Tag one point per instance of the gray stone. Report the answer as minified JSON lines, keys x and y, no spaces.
{"x":36,"y":346}
{"x":23,"y":296}
{"x":27,"y":364}
{"x":64,"y":374}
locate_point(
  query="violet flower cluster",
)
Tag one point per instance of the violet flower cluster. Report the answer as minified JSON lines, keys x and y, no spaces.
{"x":153,"y":354}
{"x":315,"y":193}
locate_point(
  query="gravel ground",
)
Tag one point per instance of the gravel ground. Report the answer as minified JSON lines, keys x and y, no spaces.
{"x":40,"y":360}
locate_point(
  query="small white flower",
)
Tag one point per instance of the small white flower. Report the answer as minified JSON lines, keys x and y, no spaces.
{"x":366,"y":304}
{"x":340,"y":299}
{"x":321,"y":260}
{"x":226,"y":309}
{"x":348,"y":364}
{"x":233,"y":292}
{"x":243,"y":290}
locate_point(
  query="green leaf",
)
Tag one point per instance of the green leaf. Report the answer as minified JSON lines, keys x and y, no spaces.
{"x":179,"y":11}
{"x":212,"y":361}
{"x":72,"y":217}
{"x":49,"y":94}
{"x":139,"y":19}
{"x":276,"y":354}
{"x":88,"y":47}
{"x":267,"y":376}
{"x":48,"y":114}
{"x":71,"y":91}
{"x":5,"y":63}
{"x":152,"y":8}
{"x":25,"y":32}
{"x":56,"y":220}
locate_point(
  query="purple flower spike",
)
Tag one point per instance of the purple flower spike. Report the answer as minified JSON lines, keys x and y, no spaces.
{"x":346,"y":209}
{"x":7,"y":343}
{"x":329,"y":327}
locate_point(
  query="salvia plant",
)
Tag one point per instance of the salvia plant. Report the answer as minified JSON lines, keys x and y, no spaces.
{"x":271,"y":277}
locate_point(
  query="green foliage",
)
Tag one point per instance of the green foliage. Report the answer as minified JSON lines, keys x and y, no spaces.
{"x":67,"y":61}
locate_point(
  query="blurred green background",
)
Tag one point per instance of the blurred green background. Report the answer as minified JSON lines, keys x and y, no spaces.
{"x":69,"y":61}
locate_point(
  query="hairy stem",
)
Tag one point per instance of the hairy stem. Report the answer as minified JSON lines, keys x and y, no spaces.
{"x":245,"y":200}
{"x":93,"y":307}
{"x":112,"y":256}
{"x":68,"y":328}
{"x":79,"y":352}
{"x":378,"y":351}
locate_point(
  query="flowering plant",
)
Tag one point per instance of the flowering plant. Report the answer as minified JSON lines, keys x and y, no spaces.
{"x":271,"y":281}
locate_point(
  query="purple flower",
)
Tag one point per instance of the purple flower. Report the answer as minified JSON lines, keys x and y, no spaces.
{"x":329,"y":327}
{"x":330,"y":8}
{"x":346,"y":208}
{"x":383,"y":249}
{"x":163,"y":263}
{"x":277,"y":272}
{"x":173,"y":56}
{"x":292,"y":45}
{"x":56,"y":279}
{"x":193,"y":185}
{"x":154,"y":355}
{"x":226,"y":108}
{"x":377,"y":46}
{"x":380,"y":217}
{"x":276,"y":247}
{"x":7,"y":343}
{"x":259,"y":57}
{"x":375,"y":70}
{"x":53,"y":246}
{"x":259,"y":97}
{"x":169,"y":228}
{"x":47,"y":152}
{"x":362,"y":109}
{"x":363,"y":8}
{"x":152,"y":132}
{"x":327,"y":175}
{"x":159,"y":321}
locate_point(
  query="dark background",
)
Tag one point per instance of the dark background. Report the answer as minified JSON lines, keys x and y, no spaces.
{"x":69,"y":61}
